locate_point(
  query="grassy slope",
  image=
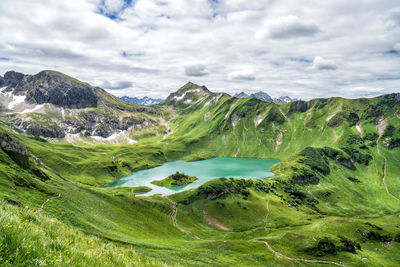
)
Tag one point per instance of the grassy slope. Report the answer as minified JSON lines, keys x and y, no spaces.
{"x":144,"y":224}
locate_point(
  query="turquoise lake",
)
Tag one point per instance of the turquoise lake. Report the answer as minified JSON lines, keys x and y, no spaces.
{"x":204,"y":170}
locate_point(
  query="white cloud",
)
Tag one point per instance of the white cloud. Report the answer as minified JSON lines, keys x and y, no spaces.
{"x":397,"y":47}
{"x":156,"y":44}
{"x":196,"y":70}
{"x":246,"y":75}
{"x":115,"y":85}
{"x":289,"y":27}
{"x":112,"y":6}
{"x":394,"y":18}
{"x":321,"y":63}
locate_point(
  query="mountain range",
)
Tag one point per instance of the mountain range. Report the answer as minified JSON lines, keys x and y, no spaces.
{"x":266,"y":97}
{"x":333,"y":200}
{"x":144,"y":101}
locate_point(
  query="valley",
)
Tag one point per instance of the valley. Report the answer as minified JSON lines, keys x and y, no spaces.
{"x":333,"y":198}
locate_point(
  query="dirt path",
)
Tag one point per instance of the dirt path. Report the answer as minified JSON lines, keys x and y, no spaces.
{"x":384,"y":183}
{"x":173,"y":217}
{"x":214,"y":223}
{"x":384,"y":172}
{"x":279,"y":255}
{"x":38,"y":210}
{"x":335,"y":137}
{"x":267,"y":213}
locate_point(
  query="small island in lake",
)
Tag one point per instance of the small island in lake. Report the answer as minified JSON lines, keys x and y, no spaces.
{"x":177,"y":179}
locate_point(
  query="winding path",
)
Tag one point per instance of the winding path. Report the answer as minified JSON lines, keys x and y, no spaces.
{"x":173,"y":217}
{"x":38,"y":210}
{"x":384,"y":182}
{"x":384,"y":172}
{"x":267,"y":213}
{"x":276,"y":254}
{"x":281,"y":256}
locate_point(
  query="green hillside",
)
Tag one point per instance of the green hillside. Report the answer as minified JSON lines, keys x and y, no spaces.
{"x":334,"y":199}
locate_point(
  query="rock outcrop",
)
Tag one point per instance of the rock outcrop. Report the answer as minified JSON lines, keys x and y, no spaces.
{"x":51,"y":87}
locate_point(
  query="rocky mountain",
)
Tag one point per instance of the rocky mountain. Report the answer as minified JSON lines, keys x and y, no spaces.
{"x":262,"y":96}
{"x":266,"y":97}
{"x":144,"y":101}
{"x":50,"y":87}
{"x":54,"y":105}
{"x":284,"y":99}
{"x":241,"y":95}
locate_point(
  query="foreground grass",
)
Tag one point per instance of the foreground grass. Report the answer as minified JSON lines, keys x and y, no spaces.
{"x":28,"y":239}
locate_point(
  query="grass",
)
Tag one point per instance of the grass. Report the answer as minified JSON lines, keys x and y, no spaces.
{"x":294,"y":218}
{"x":177,"y":179}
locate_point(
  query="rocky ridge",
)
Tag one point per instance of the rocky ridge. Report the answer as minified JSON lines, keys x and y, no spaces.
{"x":53,"y":105}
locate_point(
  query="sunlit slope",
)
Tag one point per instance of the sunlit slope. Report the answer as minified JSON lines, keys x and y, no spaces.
{"x":334,"y":200}
{"x":251,"y":128}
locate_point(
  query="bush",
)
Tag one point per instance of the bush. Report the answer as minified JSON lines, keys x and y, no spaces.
{"x":315,"y":160}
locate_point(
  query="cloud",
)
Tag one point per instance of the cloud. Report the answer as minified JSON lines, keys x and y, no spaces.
{"x":321,"y":63}
{"x":116,"y":85}
{"x":394,"y":18}
{"x":244,"y":75}
{"x":397,"y":47}
{"x":289,"y":27}
{"x":157,"y":44}
{"x":196,"y":70}
{"x":112,"y":8}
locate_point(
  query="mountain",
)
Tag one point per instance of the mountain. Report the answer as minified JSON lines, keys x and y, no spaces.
{"x":266,"y":97}
{"x":334,"y":198}
{"x":262,"y":96}
{"x":54,"y":105}
{"x":144,"y":101}
{"x":284,"y":99}
{"x":241,"y":95}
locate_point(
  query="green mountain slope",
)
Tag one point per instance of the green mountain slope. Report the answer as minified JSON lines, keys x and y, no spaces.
{"x":334,"y":200}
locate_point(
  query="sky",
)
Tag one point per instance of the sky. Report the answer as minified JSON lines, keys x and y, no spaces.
{"x":300,"y":48}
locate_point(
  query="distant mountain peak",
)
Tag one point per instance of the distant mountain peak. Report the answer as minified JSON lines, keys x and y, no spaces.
{"x":284,"y":99}
{"x":144,"y":101}
{"x":241,"y":95}
{"x":262,"y":96}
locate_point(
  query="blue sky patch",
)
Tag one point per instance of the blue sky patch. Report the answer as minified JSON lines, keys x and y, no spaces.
{"x":111,"y":12}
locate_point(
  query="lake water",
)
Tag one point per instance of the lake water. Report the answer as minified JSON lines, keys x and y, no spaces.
{"x":204,"y":170}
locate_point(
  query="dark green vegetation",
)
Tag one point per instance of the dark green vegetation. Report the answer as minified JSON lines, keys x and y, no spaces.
{"x":334,"y":200}
{"x":176,"y":179}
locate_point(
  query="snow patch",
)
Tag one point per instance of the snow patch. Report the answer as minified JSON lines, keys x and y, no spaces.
{"x":358,"y":127}
{"x":177,"y":98}
{"x":37,"y":107}
{"x":63,"y":113}
{"x":258,"y":119}
{"x":234,"y":120}
{"x":230,"y":109}
{"x":16,"y":99}
{"x":115,"y":137}
{"x":334,"y":113}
